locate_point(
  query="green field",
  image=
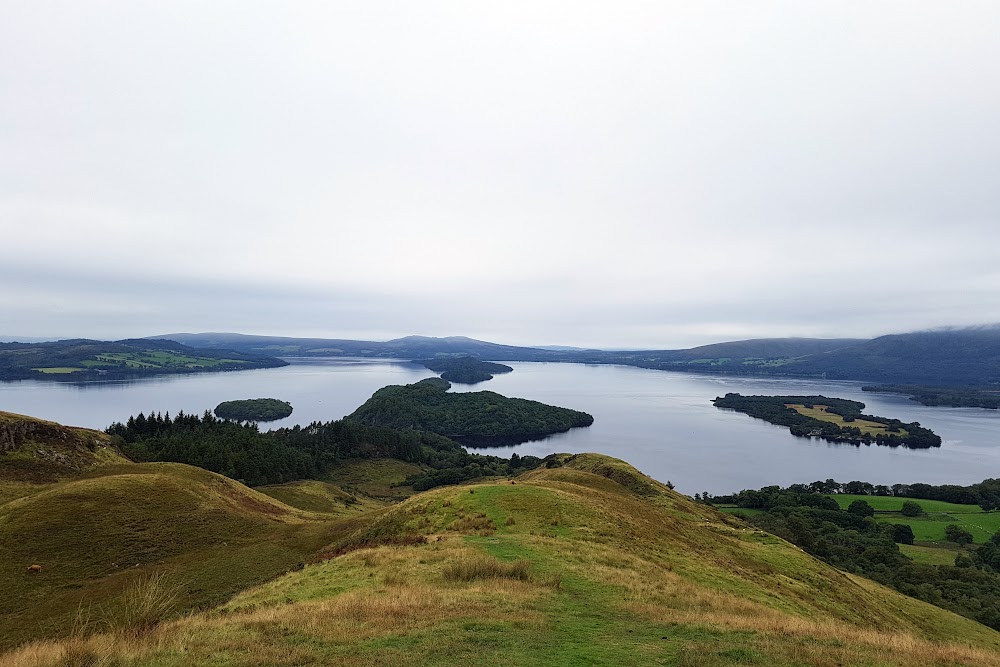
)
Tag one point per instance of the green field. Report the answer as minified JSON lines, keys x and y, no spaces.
{"x":57,"y":370}
{"x":895,"y":503}
{"x":154,"y":359}
{"x":929,"y":527}
{"x":943,"y":555}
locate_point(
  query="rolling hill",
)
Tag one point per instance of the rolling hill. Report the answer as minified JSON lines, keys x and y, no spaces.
{"x":581,"y":561}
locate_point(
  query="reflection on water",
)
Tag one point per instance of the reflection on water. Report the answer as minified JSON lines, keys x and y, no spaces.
{"x":663,"y":423}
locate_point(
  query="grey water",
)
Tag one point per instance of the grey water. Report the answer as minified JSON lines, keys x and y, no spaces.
{"x":661,"y":422}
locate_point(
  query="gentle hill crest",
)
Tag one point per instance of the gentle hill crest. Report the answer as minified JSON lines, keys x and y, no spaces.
{"x":584,"y":560}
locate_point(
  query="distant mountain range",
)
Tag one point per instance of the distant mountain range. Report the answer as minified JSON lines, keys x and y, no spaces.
{"x":946,"y":357}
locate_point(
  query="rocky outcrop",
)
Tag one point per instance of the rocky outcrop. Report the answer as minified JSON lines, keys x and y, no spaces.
{"x":66,"y":446}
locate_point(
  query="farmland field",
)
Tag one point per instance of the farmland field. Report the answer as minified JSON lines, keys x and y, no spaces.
{"x":942,"y":555}
{"x":895,"y":503}
{"x":820,"y":412}
{"x":929,"y":527}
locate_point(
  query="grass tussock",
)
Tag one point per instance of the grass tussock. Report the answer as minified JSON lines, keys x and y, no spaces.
{"x":480,"y":567}
{"x":145,"y":603}
{"x":388,"y":530}
{"x":474,"y":524}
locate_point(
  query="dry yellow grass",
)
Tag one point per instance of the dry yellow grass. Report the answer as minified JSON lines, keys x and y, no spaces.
{"x":820,"y":412}
{"x":645,"y":577}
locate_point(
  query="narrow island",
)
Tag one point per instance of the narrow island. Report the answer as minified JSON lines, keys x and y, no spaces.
{"x":464,"y":370}
{"x":832,"y":419}
{"x":254,"y":410}
{"x":476,"y":419}
{"x":952,"y":397}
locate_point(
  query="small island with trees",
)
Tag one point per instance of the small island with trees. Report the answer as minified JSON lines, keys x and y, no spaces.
{"x":477,"y":419}
{"x":832,"y":419}
{"x":254,"y":410}
{"x":464,"y":370}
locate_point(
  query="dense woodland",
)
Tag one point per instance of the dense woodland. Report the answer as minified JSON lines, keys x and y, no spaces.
{"x":464,"y":370}
{"x":954,"y":397}
{"x":852,"y":540}
{"x":774,"y":409}
{"x":254,"y":410}
{"x":242,"y":452}
{"x":481,"y":418}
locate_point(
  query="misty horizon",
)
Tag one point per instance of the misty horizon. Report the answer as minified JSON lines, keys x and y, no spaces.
{"x":648,"y":175}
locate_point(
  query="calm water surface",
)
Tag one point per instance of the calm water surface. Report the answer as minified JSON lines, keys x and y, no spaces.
{"x":662,"y":423}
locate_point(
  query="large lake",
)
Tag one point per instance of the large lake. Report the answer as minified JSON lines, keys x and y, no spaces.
{"x":661,"y":422}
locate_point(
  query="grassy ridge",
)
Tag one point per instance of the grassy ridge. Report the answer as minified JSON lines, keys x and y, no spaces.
{"x":586,"y":562}
{"x":94,"y":535}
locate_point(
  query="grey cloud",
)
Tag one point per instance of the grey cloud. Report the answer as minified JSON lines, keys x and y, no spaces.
{"x":643,"y":174}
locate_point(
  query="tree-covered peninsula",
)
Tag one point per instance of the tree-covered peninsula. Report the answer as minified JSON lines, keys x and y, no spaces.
{"x":254,"y":410}
{"x":479,"y":419}
{"x":464,"y":370}
{"x":832,"y":419}
{"x":953,"y":397}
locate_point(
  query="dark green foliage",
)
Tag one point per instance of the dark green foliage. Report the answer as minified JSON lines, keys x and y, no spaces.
{"x":481,"y":418}
{"x":242,"y":452}
{"x":861,"y":508}
{"x":954,"y":357}
{"x":957,"y":534}
{"x":955,"y":397}
{"x":911,"y":508}
{"x":228,"y":448}
{"x":254,"y":410}
{"x":464,"y":370}
{"x":860,"y":545}
{"x":901,"y":533}
{"x":774,"y":409}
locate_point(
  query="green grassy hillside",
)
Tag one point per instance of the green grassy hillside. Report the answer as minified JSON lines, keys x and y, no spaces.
{"x":316,"y":496}
{"x":96,"y":534}
{"x":584,"y":562}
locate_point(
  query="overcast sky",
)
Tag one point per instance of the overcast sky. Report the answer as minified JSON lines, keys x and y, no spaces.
{"x":618,"y":174}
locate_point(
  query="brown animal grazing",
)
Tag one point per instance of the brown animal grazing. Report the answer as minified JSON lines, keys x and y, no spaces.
{"x":34,"y":569}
